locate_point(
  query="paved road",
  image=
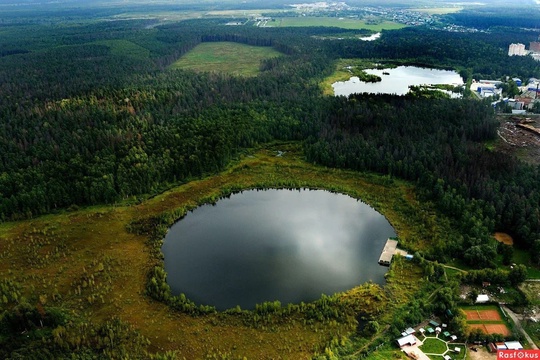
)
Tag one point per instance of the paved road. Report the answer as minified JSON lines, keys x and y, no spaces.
{"x":515,"y":318}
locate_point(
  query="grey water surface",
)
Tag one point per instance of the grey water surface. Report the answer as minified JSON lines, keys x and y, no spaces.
{"x":286,"y":245}
{"x":397,"y":80}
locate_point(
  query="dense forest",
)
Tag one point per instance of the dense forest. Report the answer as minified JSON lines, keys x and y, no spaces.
{"x":489,"y":17}
{"x":92,"y":114}
{"x":427,"y":142}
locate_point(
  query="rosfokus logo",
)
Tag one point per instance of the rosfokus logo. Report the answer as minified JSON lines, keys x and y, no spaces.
{"x":518,"y":354}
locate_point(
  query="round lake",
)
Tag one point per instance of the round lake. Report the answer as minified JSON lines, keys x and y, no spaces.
{"x":286,"y":245}
{"x":397,"y":80}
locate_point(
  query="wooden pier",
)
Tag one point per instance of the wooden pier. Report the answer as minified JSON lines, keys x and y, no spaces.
{"x":388,"y":252}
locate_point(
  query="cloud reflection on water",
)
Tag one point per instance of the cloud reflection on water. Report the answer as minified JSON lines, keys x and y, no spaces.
{"x":275,"y":244}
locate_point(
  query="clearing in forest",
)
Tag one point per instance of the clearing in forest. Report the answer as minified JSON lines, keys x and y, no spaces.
{"x":344,"y":23}
{"x":226,"y":57}
{"x":504,"y":238}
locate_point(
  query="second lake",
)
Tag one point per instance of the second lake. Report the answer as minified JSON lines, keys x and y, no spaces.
{"x":397,"y":80}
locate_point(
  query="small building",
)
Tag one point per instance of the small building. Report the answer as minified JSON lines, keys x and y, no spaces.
{"x":493,"y":82}
{"x":388,"y":252}
{"x":433,"y":323}
{"x":406,"y":341}
{"x":527,"y":102}
{"x":513,"y":345}
{"x":446,"y":334}
{"x":485,"y":88}
{"x":453,"y":337}
{"x":494,"y":347}
{"x":437,"y":330}
{"x":533,"y":87}
{"x":457,"y":350}
{"x":487,"y":93}
{"x":444,"y":326}
{"x":482,"y":298}
{"x":430,"y":330}
{"x":447,"y":357}
{"x":517,"y":81}
{"x":422,"y":331}
{"x":410,"y":331}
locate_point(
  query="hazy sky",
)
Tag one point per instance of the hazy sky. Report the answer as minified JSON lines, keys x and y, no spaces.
{"x":356,"y":2}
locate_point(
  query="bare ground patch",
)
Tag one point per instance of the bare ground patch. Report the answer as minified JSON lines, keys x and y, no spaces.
{"x":489,"y":315}
{"x":517,"y":141}
{"x":504,"y":238}
{"x":492,"y":328}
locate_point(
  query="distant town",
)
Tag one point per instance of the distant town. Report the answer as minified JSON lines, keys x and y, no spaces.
{"x":374,"y":15}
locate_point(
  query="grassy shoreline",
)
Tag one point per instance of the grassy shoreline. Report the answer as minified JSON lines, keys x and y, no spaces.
{"x":88,"y":263}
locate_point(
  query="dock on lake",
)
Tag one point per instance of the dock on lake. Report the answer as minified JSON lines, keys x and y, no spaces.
{"x":388,"y":252}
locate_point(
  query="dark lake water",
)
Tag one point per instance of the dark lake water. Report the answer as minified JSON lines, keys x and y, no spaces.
{"x":285,"y":245}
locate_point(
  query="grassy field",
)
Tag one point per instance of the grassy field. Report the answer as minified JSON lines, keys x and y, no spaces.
{"x":344,"y":23}
{"x":521,"y":256}
{"x":533,"y":329}
{"x":531,"y":289}
{"x":343,"y":71}
{"x":524,"y":257}
{"x":87,"y":262}
{"x":225,"y":57}
{"x":433,"y":346}
{"x":437,"y":348}
{"x":241,"y":13}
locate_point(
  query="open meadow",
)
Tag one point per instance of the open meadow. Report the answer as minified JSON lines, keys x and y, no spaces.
{"x":225,"y":57}
{"x":345,"y":23}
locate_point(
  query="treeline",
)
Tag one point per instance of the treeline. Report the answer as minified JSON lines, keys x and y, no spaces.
{"x":492,"y":17}
{"x":437,"y":143}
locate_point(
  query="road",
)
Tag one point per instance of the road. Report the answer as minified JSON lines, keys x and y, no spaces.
{"x":515,"y":318}
{"x":454,"y":268}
